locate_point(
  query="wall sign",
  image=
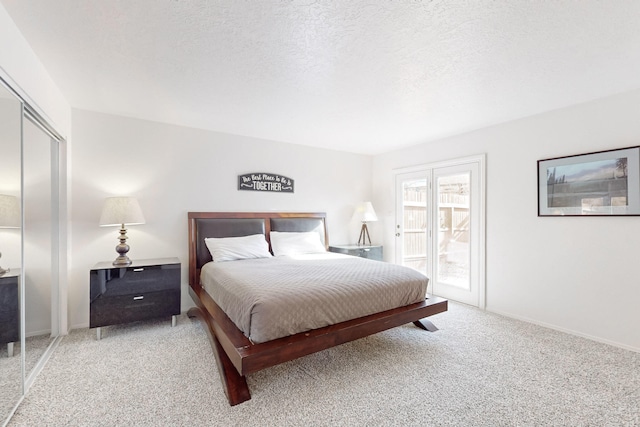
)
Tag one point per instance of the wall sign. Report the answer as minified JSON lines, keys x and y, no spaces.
{"x":260,"y":181}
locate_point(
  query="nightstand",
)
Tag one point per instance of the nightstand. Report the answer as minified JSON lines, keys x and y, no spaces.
{"x":9,"y":309}
{"x":372,"y":252}
{"x":146,"y":289}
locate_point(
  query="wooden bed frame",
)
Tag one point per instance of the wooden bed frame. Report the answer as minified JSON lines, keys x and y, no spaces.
{"x":235,"y":355}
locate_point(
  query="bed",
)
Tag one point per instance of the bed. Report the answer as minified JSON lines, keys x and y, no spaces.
{"x":239,"y":353}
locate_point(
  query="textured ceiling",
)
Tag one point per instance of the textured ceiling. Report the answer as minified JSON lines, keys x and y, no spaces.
{"x":359,"y":75}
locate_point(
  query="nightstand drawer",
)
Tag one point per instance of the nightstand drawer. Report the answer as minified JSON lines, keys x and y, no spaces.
{"x":370,"y":252}
{"x":9,"y":308}
{"x":124,"y":281}
{"x":10,"y":329}
{"x":130,"y":308}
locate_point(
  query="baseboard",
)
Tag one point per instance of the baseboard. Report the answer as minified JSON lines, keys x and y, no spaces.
{"x":566,"y":331}
{"x":38,"y":333}
{"x":79,"y":326}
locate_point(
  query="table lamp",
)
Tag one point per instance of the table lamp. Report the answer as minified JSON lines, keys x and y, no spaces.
{"x":365,"y":213}
{"x":121,"y":211}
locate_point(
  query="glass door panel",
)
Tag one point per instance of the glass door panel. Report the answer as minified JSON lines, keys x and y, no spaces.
{"x":458,"y":247}
{"x":415,"y":224}
{"x":454,"y":253}
{"x":412,"y":227}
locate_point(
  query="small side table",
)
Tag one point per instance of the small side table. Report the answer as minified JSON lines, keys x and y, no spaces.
{"x":146,"y":289}
{"x":371,"y":252}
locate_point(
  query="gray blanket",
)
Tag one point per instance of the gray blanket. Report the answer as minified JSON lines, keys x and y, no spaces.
{"x":270,"y":298}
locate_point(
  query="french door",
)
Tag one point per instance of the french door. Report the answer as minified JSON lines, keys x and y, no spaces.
{"x":440,"y":227}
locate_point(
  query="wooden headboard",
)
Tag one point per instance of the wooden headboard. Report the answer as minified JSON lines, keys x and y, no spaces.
{"x":236,"y":224}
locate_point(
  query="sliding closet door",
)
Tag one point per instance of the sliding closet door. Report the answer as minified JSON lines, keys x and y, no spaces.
{"x":11,"y":252}
{"x":30,"y":244}
{"x":39,"y":239}
{"x":440,"y":227}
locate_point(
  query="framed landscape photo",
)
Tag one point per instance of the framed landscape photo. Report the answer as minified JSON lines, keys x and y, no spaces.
{"x":604,"y":183}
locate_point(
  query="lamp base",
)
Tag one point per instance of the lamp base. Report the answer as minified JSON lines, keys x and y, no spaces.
{"x":122,"y":248}
{"x":364,"y":231}
{"x":2,"y":270}
{"x":122,"y":261}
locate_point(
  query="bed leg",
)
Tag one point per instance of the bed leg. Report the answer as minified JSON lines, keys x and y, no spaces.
{"x":425,"y":324}
{"x":234,"y":385}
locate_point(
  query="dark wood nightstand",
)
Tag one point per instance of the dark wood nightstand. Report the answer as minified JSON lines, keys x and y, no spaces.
{"x":372,"y":252}
{"x":144,"y":290}
{"x":9,"y":309}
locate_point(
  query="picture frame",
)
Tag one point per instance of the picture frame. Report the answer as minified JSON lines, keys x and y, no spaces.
{"x":601,"y":183}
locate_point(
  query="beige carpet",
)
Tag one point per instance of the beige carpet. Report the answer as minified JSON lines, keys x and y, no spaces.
{"x":478,"y":370}
{"x":11,"y":372}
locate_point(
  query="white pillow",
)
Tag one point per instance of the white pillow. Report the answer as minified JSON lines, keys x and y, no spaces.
{"x":233,"y":248}
{"x":290,"y":243}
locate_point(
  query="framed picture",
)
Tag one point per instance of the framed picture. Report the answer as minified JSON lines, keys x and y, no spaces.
{"x":604,"y":183}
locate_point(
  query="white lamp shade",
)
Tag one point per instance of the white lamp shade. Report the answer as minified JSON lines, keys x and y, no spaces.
{"x":9,"y":211}
{"x":121,"y":210}
{"x":365,"y":212}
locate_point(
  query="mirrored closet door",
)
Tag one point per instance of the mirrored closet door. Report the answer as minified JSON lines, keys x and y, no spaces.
{"x":29,"y":243}
{"x":40,"y":228}
{"x":11,"y":249}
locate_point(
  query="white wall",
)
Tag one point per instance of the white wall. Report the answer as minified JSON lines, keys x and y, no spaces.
{"x":173,"y":170}
{"x":23,"y":71}
{"x":574,"y":274}
{"x":26,"y":74}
